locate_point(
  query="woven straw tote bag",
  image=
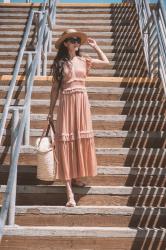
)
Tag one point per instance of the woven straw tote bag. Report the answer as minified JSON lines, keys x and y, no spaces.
{"x":46,"y":157}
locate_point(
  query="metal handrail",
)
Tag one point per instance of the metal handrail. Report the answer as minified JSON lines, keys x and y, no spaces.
{"x":153,"y":32}
{"x":15,"y":74}
{"x":51,"y":22}
{"x":9,"y":200}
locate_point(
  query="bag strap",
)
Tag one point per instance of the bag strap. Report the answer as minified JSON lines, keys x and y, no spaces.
{"x":46,"y":130}
{"x":50,"y":125}
{"x":52,"y":133}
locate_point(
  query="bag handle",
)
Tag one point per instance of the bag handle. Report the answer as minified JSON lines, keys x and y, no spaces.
{"x":46,"y":131}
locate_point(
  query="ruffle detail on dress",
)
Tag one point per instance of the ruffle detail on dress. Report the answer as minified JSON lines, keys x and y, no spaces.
{"x":73,"y":90}
{"x":75,"y":79}
{"x":75,"y":159}
{"x":74,"y":136}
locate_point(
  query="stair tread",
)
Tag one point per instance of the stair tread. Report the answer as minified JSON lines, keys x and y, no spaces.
{"x":31,"y":149}
{"x":89,"y":190}
{"x":108,"y":133}
{"x":106,"y":117}
{"x":108,"y":210}
{"x":95,"y":103}
{"x":107,"y":90}
{"x":102,"y":170}
{"x":92,"y":78}
{"x":97,"y":232}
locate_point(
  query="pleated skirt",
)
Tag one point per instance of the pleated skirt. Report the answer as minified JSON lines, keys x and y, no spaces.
{"x":74,"y":136}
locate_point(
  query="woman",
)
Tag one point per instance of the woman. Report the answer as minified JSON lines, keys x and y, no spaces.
{"x":74,"y":137}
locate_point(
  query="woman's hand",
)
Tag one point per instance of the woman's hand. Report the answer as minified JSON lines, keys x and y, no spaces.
{"x":91,"y":42}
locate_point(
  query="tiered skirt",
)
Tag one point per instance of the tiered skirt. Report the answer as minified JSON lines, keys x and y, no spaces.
{"x":74,"y":136}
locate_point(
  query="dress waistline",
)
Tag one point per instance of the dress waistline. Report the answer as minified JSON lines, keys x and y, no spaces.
{"x":73,"y":89}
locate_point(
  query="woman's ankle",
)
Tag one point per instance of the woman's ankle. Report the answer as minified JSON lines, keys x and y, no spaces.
{"x":70,"y":193}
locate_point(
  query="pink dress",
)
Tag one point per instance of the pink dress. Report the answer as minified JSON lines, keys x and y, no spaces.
{"x":74,"y":136}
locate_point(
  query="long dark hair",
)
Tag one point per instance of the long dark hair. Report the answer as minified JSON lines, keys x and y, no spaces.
{"x":57,"y":68}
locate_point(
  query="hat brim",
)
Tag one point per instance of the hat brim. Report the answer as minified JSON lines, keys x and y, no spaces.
{"x":82,"y":35}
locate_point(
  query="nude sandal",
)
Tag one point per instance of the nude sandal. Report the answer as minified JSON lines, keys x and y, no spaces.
{"x":71,"y":203}
{"x":76,"y":183}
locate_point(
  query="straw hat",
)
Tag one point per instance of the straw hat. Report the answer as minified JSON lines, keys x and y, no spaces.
{"x":69,"y":33}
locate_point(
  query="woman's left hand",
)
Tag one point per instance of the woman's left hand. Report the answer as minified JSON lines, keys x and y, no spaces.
{"x":91,"y":42}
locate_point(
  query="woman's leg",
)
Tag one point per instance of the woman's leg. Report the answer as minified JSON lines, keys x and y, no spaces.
{"x":70,"y":195}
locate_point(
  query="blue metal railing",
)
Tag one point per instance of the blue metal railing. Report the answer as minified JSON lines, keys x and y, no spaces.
{"x":152,"y":23}
{"x":42,"y":65}
{"x":47,"y":19}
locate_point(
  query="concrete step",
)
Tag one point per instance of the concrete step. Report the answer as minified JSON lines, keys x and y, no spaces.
{"x":12,"y":27}
{"x":106,"y":48}
{"x":125,"y":16}
{"x":16,"y":21}
{"x":89,"y":195}
{"x":118,"y":82}
{"x":113,"y":122}
{"x":108,"y":138}
{"x":92,"y":10}
{"x":96,"y":28}
{"x":58,"y":27}
{"x":99,"y":22}
{"x":106,"y":175}
{"x":111,"y":56}
{"x":149,"y":157}
{"x":114,"y":69}
{"x":91,"y":216}
{"x":108,"y":122}
{"x":12,"y":15}
{"x":105,"y":34}
{"x":74,"y":21}
{"x":126,"y":42}
{"x":92,"y":27}
{"x":10,"y":62}
{"x":94,"y":34}
{"x":93,"y":72}
{"x":134,"y":60}
{"x":94,"y":93}
{"x":100,"y":107}
{"x":113,"y":65}
{"x":18,"y":10}
{"x":80,"y":238}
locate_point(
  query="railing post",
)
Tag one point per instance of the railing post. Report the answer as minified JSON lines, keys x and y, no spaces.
{"x":29,"y":61}
{"x":45,"y":48}
{"x":149,"y":51}
{"x":159,"y":52}
{"x":50,"y":41}
{"x":14,"y":132}
{"x":27,"y":125}
{"x":39,"y":30}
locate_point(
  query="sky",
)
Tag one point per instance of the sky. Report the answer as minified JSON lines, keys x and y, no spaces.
{"x":99,"y":1}
{"x":82,"y":1}
{"x":90,"y":1}
{"x":79,"y":1}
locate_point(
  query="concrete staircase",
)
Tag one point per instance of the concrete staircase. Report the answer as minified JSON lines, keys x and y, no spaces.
{"x":123,"y":207}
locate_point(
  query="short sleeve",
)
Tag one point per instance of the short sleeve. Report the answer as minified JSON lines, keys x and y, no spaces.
{"x":89,"y":63}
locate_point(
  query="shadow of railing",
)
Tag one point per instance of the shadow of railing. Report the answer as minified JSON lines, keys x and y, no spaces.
{"x":147,"y":155}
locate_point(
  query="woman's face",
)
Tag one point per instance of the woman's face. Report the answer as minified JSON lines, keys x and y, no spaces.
{"x":72,"y":43}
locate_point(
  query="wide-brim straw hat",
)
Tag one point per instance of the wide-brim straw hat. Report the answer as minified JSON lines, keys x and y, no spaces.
{"x":70,"y":33}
